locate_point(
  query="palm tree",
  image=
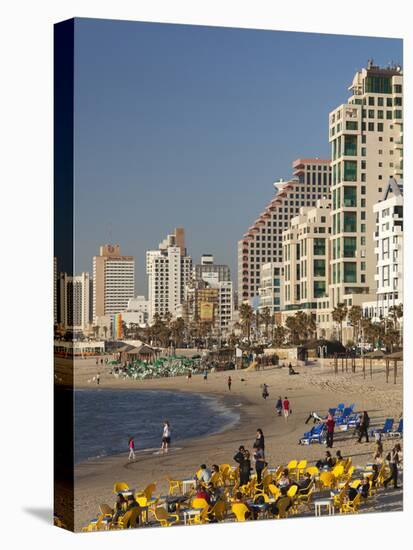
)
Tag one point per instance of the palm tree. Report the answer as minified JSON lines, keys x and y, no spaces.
{"x":96,"y":331}
{"x":292,"y":324}
{"x":280,"y":334}
{"x":246,"y":316}
{"x":105,"y":331}
{"x":178,"y":331}
{"x":338,"y":315}
{"x":266,"y":319}
{"x":396,"y":313}
{"x":354,"y":316}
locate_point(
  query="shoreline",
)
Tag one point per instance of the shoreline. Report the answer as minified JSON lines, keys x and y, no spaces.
{"x":316,"y":388}
{"x":226,"y":401}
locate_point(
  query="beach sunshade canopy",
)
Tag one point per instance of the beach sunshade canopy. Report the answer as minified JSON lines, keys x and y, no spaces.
{"x":395,"y":355}
{"x":376,"y":354}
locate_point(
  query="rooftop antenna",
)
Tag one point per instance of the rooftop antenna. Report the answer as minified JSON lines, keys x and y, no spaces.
{"x":110,"y":231}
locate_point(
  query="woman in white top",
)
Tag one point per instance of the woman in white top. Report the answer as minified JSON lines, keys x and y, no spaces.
{"x":166,"y":437}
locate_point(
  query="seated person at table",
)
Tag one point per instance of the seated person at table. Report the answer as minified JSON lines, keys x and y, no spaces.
{"x":215,"y":492}
{"x":202,"y":492}
{"x":364,"y":488}
{"x":305,"y":484}
{"x":339,"y":459}
{"x":215,"y":469}
{"x":131,"y":502}
{"x":284,"y":481}
{"x":204,"y":474}
{"x":120,"y":508}
{"x":281,"y":499}
{"x":239,"y":456}
{"x":375,"y":474}
{"x":327,"y":462}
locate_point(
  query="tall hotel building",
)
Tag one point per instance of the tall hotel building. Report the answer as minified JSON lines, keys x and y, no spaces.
{"x":366,"y":140}
{"x":169,"y":269}
{"x":262,"y":243}
{"x":74,"y":295}
{"x":113,"y":281}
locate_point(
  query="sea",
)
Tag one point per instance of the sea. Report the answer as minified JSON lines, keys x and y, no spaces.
{"x":105,"y":419}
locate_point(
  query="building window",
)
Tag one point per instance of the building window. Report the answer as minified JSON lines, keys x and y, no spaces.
{"x":350,"y":145}
{"x":350,"y":170}
{"x":349,"y":247}
{"x":351,"y":125}
{"x":350,"y":272}
{"x":350,"y":196}
{"x":319,"y":247}
{"x":319,"y":289}
{"x":349,"y":222}
{"x":319,"y":268}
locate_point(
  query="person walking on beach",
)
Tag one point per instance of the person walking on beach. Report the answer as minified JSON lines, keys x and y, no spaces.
{"x":363,"y":428}
{"x":279,"y":406}
{"x":166,"y":437}
{"x":206,"y":375}
{"x":286,"y":407}
{"x":393,"y":459}
{"x":265,"y":392}
{"x":189,"y":376}
{"x":131,"y":445}
{"x":330,"y":431}
{"x":98,"y":379}
{"x":259,"y":442}
{"x":229,"y":383}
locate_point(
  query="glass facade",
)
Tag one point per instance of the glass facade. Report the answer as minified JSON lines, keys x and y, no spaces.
{"x":319,"y":289}
{"x":378,"y":84}
{"x":350,"y":170}
{"x":350,"y":196}
{"x":319,"y":268}
{"x":349,"y":247}
{"x":350,"y":272}
{"x":350,"y":145}
{"x":349,"y":222}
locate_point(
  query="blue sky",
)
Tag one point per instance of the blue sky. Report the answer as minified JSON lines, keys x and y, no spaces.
{"x":189,"y":126}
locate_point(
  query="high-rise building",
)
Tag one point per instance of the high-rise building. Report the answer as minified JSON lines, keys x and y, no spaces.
{"x":208,"y":265}
{"x":113,"y":281}
{"x":54,"y":290}
{"x":137,"y":311}
{"x":262,"y":243}
{"x":169,"y":269}
{"x":270,"y":287}
{"x":366,"y":136}
{"x":388,"y":237}
{"x":306,"y":259}
{"x":74,"y":301}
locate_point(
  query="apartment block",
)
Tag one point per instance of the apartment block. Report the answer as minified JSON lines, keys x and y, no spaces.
{"x":306,"y":257}
{"x":270,"y":295}
{"x":74,"y":303}
{"x":366,"y":137}
{"x":388,"y":238}
{"x":169,"y":269}
{"x":262,"y":243}
{"x":113,"y":281}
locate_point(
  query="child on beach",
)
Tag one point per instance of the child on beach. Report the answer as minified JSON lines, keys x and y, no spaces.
{"x":286,"y":408}
{"x":131,"y":445}
{"x":166,"y":437}
{"x":279,"y":406}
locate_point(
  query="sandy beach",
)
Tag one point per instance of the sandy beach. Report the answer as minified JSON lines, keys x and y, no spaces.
{"x":315,"y":388}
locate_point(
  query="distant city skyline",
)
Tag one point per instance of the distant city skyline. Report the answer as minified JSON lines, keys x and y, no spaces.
{"x":189,"y":126}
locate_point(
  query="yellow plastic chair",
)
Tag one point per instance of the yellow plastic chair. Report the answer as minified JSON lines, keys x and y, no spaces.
{"x":174,"y":485}
{"x":240,"y":510}
{"x":199,"y":503}
{"x":292,"y":491}
{"x":338,"y":472}
{"x":292,"y":465}
{"x":164,"y":518}
{"x":120,"y":486}
{"x":278,"y":472}
{"x":282,"y":506}
{"x":200,"y":518}
{"x":301,"y":466}
{"x":148,"y":491}
{"x":313,"y":471}
{"x":130,"y":519}
{"x":305,"y":499}
{"x":274,"y":491}
{"x":219,"y":510}
{"x":351,"y":506}
{"x":355,"y":484}
{"x":326,"y":480}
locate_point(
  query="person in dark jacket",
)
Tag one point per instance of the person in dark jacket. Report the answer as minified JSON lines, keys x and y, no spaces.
{"x":239,"y":456}
{"x":259,"y":442}
{"x":364,"y":426}
{"x":245,"y":469}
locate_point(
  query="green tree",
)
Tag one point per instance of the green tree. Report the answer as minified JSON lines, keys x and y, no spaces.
{"x":338,"y":315}
{"x":266,"y":319}
{"x":279,"y":336}
{"x":355,"y":315}
{"x":246,"y":317}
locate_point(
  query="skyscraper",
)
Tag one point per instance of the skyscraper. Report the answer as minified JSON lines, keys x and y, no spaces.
{"x":366,"y":136}
{"x":262,"y":243}
{"x":74,"y":301}
{"x":113,"y":281}
{"x":169,"y":269}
